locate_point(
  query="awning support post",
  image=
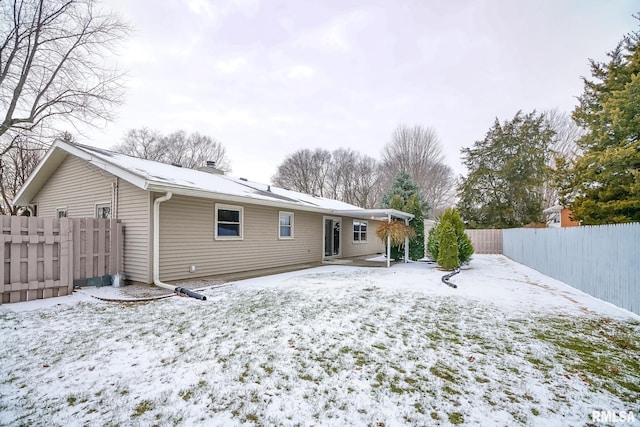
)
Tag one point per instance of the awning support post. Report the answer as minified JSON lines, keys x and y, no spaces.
{"x":406,"y":244}
{"x":388,"y":245}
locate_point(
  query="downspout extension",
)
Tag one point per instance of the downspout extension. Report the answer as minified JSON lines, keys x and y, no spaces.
{"x":156,"y":253}
{"x":446,"y":277}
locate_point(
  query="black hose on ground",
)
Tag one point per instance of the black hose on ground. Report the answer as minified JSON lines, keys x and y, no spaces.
{"x":446,"y":277}
{"x":189,"y":293}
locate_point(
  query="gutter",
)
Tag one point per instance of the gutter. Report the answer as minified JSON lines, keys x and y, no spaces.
{"x":156,"y":253}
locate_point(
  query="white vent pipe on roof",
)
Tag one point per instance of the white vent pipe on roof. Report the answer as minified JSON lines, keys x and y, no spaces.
{"x":156,"y":252}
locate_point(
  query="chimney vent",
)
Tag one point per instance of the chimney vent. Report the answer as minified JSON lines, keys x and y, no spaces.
{"x":210,"y":167}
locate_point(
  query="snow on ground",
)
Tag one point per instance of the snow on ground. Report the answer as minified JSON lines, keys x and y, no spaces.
{"x":333,"y":346}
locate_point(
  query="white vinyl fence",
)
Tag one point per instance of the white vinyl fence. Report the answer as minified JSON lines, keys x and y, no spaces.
{"x":603,"y":261}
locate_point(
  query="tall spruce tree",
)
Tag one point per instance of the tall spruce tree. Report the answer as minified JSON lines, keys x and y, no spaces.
{"x":507,"y":172}
{"x":603,"y":184}
{"x":405,"y":196}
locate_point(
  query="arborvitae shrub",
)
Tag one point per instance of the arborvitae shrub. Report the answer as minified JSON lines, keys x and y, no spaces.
{"x":448,"y":247}
{"x":464,"y":245}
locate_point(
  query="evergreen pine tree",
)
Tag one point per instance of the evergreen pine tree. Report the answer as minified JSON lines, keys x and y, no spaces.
{"x":603,"y":184}
{"x":507,"y":173}
{"x":405,"y":196}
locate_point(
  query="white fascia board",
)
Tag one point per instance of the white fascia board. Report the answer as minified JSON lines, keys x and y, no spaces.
{"x":191,"y":192}
{"x":24,"y":192}
{"x":54,"y":157}
{"x":100,"y":163}
{"x":374,"y":213}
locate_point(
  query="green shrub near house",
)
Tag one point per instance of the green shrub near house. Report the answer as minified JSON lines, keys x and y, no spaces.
{"x":448,"y":244}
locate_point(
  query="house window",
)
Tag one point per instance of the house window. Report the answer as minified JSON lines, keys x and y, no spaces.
{"x":103,"y":210}
{"x":228,"y":222}
{"x":360,"y":231}
{"x":286,"y":225}
{"x":61,"y":212}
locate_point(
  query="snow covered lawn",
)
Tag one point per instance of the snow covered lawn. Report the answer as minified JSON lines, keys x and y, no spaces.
{"x":334,"y":345}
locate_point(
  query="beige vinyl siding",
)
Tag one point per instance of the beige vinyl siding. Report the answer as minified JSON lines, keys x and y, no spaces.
{"x":187,"y":238}
{"x":351,"y":248}
{"x":134,"y":207}
{"x":77,"y":186}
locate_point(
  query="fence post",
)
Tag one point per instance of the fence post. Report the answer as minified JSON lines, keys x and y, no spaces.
{"x":66,"y":254}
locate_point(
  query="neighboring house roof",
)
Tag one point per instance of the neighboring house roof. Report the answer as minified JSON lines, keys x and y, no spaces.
{"x":161,"y":177}
{"x":553,"y":210}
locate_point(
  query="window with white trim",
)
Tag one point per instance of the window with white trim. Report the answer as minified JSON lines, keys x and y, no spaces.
{"x":61,"y":212}
{"x":228,"y":222}
{"x":360,"y":231}
{"x":285,"y":225}
{"x":103,"y":210}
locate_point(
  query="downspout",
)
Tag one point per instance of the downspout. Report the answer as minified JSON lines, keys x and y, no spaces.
{"x":156,"y":252}
{"x":114,"y":204}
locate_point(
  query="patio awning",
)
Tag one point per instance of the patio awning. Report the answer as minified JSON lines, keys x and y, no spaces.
{"x":382,"y":215}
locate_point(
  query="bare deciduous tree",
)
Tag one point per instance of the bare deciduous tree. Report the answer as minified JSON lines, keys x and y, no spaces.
{"x":342,"y":175}
{"x":144,"y":143}
{"x":53,"y":65}
{"x":367,"y":191}
{"x":305,"y":171}
{"x":15,"y":167}
{"x":417,"y":152}
{"x":194,"y":150}
{"x":563,"y":144}
{"x":188,"y":150}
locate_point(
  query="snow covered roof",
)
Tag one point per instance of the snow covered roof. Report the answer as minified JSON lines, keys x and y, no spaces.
{"x":161,"y":177}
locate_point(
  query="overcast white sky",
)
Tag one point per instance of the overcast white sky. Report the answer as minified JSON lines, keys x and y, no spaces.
{"x":267,"y":78}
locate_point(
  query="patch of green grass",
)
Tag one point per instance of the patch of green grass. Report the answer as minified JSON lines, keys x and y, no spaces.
{"x":186,"y":394}
{"x":535,"y":412}
{"x":445,"y":372}
{"x":410,"y":381}
{"x":511,"y":396}
{"x":345,"y":350}
{"x":395,"y":389}
{"x":418,"y":407}
{"x":142,"y":407}
{"x":456,"y":418}
{"x":449,"y":391}
{"x":71,"y":400}
{"x":598,"y":351}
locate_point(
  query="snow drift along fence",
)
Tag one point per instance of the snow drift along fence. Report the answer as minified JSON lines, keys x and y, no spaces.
{"x":486,"y":241}
{"x":42,"y":257}
{"x":599,"y":260}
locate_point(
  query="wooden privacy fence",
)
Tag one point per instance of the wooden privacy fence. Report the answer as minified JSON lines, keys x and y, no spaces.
{"x":44,"y":257}
{"x":486,"y":241}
